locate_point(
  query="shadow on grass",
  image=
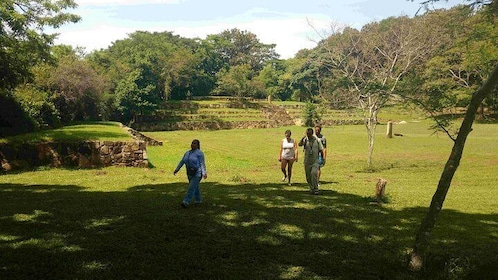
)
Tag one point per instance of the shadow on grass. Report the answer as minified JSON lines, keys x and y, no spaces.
{"x":247,"y":231}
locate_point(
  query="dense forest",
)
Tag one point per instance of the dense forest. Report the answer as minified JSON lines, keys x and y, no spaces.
{"x":435,"y":60}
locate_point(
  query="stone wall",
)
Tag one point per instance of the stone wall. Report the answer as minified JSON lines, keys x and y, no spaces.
{"x":137,"y":135}
{"x":207,"y":125}
{"x":87,"y":154}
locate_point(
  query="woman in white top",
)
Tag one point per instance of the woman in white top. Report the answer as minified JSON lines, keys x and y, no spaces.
{"x":288,"y":155}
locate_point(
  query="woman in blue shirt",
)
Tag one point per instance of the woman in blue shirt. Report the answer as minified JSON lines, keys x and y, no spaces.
{"x":196,"y":170}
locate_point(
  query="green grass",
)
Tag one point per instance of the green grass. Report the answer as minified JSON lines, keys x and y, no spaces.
{"x":126,"y":223}
{"x":77,"y":132}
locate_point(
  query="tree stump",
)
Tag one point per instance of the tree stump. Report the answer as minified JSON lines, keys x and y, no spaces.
{"x":389,"y":133}
{"x":380,"y":189}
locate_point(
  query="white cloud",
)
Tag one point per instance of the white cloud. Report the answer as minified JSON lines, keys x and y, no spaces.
{"x":95,"y":38}
{"x":290,"y":33}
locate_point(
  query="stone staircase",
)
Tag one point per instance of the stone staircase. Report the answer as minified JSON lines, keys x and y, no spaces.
{"x":278,"y":115}
{"x":222,"y":114}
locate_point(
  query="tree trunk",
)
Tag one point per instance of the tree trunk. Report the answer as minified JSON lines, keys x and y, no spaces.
{"x":428,"y":223}
{"x":371,"y":124}
{"x":380,"y":189}
{"x":389,"y":132}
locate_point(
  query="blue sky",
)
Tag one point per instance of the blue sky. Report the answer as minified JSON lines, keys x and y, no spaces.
{"x":290,"y":24}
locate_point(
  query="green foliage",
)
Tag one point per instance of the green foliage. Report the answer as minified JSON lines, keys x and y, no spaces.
{"x":235,"y":47}
{"x":275,"y":81}
{"x":13,"y":120}
{"x":458,"y":70}
{"x":136,"y":96}
{"x":23,"y":42}
{"x":38,"y":105}
{"x":238,"y":81}
{"x":311,"y":114}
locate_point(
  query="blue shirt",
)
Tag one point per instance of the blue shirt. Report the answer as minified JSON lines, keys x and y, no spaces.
{"x":195,"y":159}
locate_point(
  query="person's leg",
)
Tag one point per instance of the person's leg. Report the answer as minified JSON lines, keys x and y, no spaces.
{"x":197,"y":193}
{"x":283,"y":164}
{"x":314,"y":178}
{"x":289,"y":170}
{"x":307,"y":171}
{"x":193,"y":185}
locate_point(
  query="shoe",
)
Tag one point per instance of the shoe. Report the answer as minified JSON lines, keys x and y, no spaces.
{"x":289,"y":184}
{"x":283,"y":179}
{"x":183,"y":205}
{"x":317,"y":192}
{"x":318,"y":184}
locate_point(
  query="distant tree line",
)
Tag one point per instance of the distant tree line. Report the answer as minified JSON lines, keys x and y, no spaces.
{"x":437,"y":59}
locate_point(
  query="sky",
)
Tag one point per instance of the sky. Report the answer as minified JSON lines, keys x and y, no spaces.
{"x":290,"y":24}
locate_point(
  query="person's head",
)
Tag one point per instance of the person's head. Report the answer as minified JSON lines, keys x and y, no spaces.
{"x":318,"y":129}
{"x":309,"y":132}
{"x":195,"y":144}
{"x":288,"y":133}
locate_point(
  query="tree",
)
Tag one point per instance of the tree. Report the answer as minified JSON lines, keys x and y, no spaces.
{"x":238,"y":81}
{"x":23,"y":41}
{"x":77,"y":89}
{"x":235,"y":47}
{"x":242,"y":51}
{"x":272,"y":77}
{"x":369,"y":64}
{"x":466,"y":60}
{"x":38,"y":105}
{"x":489,"y":87}
{"x":429,"y":221}
{"x":136,"y":95}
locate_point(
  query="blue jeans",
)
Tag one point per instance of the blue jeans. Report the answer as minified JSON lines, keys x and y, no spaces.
{"x":194,"y":190}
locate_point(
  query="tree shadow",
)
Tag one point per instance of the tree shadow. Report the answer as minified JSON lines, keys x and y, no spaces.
{"x":250,"y":231}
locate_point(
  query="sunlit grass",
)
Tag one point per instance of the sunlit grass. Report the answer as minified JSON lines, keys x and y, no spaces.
{"x":126,"y":223}
{"x":77,"y":132}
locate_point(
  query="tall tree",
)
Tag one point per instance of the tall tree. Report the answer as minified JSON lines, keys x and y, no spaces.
{"x":371,"y":63}
{"x":23,"y":40}
{"x":242,"y":51}
{"x":273,"y":78}
{"x":235,"y":47}
{"x":489,"y":87}
{"x":465,"y":61}
{"x":24,"y":43}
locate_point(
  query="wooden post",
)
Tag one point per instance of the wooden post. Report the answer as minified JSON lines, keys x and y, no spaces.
{"x":380,"y":189}
{"x":389,"y":133}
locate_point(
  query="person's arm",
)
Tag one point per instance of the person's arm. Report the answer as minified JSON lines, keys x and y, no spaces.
{"x":302,"y":141}
{"x":324,"y":151}
{"x":180,"y":164}
{"x":295,"y":151}
{"x":281,"y":149}
{"x":321,"y":150}
{"x":203,"y":165}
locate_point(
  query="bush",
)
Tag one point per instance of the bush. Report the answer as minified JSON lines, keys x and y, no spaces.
{"x":311,"y":114}
{"x":13,"y":119}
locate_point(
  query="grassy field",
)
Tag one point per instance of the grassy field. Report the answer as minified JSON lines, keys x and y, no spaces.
{"x":126,"y":223}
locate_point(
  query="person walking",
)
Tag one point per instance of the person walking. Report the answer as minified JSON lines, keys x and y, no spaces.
{"x":323,"y":156}
{"x":312,"y":150}
{"x":196,"y":170}
{"x":288,"y":155}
